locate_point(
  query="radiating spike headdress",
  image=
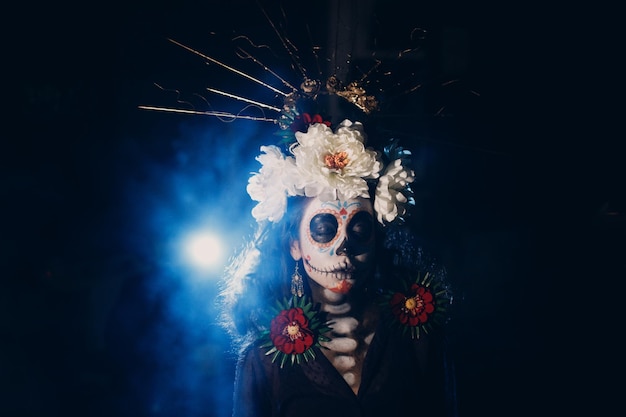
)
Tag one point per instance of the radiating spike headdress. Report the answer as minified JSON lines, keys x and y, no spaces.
{"x":314,"y":158}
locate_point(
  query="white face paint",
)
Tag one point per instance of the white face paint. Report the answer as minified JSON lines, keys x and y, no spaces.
{"x":336,"y":242}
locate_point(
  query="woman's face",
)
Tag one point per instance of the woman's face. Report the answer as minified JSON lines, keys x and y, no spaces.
{"x":336,"y":242}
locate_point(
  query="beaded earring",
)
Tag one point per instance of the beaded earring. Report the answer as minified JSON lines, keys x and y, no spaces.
{"x":297,"y":284}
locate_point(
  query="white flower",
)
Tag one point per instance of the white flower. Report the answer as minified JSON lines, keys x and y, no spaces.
{"x":329,"y":165}
{"x":389,"y":201}
{"x":334,"y":165}
{"x":272,"y":184}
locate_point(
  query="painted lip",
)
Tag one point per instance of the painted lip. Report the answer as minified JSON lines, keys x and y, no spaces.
{"x":342,"y":287}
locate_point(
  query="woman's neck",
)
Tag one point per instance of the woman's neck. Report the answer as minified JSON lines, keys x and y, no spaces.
{"x":353,"y":321}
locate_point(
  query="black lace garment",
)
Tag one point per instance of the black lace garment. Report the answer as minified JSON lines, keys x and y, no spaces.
{"x":400,"y":375}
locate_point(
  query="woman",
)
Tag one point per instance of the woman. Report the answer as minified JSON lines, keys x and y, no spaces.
{"x":332,"y":305}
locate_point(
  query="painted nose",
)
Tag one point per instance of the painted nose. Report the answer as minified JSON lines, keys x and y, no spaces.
{"x":343,"y":248}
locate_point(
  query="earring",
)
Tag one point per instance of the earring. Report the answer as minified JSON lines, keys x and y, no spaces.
{"x":297,"y":284}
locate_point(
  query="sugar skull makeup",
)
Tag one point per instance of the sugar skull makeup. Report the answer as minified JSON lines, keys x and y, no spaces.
{"x":336,"y":242}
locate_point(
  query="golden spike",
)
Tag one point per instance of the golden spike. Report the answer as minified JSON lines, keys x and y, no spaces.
{"x":284,"y":42}
{"x":406,"y":52}
{"x":236,"y":71}
{"x":367,"y":74}
{"x":404,"y":92}
{"x":267,"y":106}
{"x":208,"y":113}
{"x":256,"y":61}
{"x":449,"y":82}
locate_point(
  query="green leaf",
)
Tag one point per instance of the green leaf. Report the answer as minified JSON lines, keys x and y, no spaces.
{"x":268,"y":344}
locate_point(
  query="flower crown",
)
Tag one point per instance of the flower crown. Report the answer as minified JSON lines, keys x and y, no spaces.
{"x":331,"y":165}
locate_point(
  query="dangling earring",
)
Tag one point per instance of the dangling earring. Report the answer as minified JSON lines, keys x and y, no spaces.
{"x":297,"y":284}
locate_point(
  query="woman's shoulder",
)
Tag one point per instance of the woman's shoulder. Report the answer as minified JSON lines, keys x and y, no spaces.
{"x":253,"y":359}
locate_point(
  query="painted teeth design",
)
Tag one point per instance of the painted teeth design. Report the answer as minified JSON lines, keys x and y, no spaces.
{"x":339,"y":272}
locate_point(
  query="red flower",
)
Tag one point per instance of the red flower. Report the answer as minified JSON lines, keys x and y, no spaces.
{"x":302,"y":122}
{"x":290,"y":333}
{"x":414,"y":309}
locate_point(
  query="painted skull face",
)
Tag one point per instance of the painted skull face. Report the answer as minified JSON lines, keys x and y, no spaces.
{"x":336,"y":242}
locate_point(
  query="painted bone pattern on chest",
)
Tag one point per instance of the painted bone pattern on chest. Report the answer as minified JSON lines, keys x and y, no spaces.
{"x":349,"y":342}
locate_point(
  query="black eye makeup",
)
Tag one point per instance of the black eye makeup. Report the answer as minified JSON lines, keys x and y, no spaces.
{"x":323,"y":227}
{"x":361,"y":227}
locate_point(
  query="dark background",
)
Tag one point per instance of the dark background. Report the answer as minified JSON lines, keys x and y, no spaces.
{"x":520,"y":193}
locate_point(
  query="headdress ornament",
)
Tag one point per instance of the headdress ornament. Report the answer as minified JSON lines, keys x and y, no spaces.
{"x":313,"y":158}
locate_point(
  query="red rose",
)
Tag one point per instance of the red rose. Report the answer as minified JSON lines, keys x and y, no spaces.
{"x":290,"y":331}
{"x":415,"y":308}
{"x":302,"y":122}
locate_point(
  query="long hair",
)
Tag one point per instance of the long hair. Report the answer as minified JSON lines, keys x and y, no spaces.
{"x":258,"y":275}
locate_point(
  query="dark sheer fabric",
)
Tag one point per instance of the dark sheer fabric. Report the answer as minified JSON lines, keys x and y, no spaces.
{"x":400,"y":375}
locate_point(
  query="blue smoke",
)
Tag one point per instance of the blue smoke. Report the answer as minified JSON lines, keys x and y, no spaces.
{"x":172,"y":356}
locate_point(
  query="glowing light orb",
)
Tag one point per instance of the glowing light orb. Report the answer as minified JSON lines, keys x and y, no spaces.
{"x":203,"y":250}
